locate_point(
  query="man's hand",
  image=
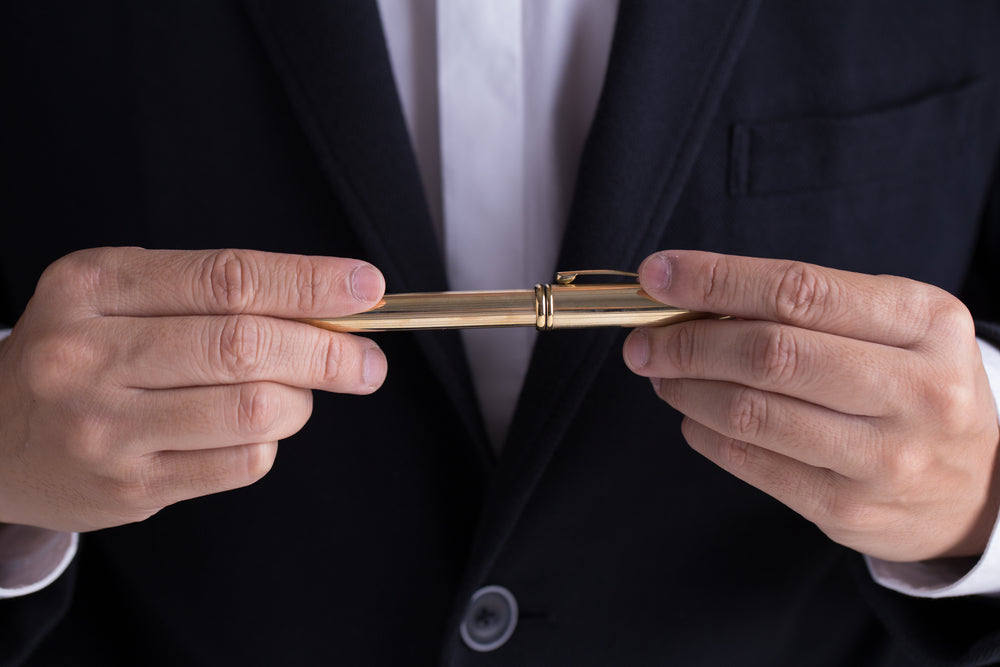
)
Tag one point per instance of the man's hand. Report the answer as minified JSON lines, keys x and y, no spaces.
{"x":858,"y":401}
{"x":138,"y":378}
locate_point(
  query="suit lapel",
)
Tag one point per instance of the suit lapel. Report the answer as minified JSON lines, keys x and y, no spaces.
{"x":332,"y":60}
{"x":669,"y":64}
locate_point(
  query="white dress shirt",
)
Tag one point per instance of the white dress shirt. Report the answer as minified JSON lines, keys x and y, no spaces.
{"x":498,"y":96}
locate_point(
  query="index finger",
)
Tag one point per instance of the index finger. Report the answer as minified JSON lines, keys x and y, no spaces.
{"x":138,"y":282}
{"x":880,"y":309}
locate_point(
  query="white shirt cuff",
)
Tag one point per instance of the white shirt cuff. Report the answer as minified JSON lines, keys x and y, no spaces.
{"x":950,"y":577}
{"x":32,"y":558}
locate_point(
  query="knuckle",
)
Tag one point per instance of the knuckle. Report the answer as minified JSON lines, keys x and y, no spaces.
{"x":242,"y":345}
{"x":241,"y":466}
{"x":680,"y":348}
{"x":332,"y":360}
{"x":802,"y":292}
{"x":717,"y":279}
{"x":312,"y":285}
{"x":50,"y":365}
{"x":230,"y":278}
{"x":914,"y":307}
{"x":746,"y":414}
{"x":960,"y":406}
{"x":257,"y":409}
{"x":256,"y":461}
{"x":775,"y":355}
{"x":735,"y":454}
{"x":951,"y":318}
{"x":952,"y":402}
{"x":74,"y":273}
{"x":904,"y":470}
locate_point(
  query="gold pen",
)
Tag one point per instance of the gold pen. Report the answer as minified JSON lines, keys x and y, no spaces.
{"x":563,"y":305}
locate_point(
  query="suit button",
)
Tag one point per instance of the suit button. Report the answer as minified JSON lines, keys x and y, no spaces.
{"x":490,"y":619}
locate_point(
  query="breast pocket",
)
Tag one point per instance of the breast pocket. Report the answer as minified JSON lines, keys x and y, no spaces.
{"x":821,"y":153}
{"x":894,"y":189}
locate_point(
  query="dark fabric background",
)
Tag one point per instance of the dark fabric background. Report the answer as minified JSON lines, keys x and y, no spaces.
{"x":860,"y":134}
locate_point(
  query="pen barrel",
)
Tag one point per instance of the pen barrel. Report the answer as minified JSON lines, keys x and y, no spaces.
{"x":437,"y":310}
{"x":545,"y":307}
{"x":616,"y":305}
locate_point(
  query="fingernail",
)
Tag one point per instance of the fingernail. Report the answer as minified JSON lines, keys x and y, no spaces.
{"x":637,"y":349}
{"x":655,"y":272}
{"x":374,"y":367}
{"x":366,"y":283}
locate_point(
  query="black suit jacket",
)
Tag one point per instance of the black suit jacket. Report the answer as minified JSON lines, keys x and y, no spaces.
{"x":860,"y":134}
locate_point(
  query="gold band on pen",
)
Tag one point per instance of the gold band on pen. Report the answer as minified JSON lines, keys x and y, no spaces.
{"x":563,"y":305}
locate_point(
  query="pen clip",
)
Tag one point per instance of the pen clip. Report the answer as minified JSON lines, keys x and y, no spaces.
{"x":567,"y":277}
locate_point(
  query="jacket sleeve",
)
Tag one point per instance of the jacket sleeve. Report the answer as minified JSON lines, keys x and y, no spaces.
{"x":25,"y":621}
{"x":960,"y":631}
